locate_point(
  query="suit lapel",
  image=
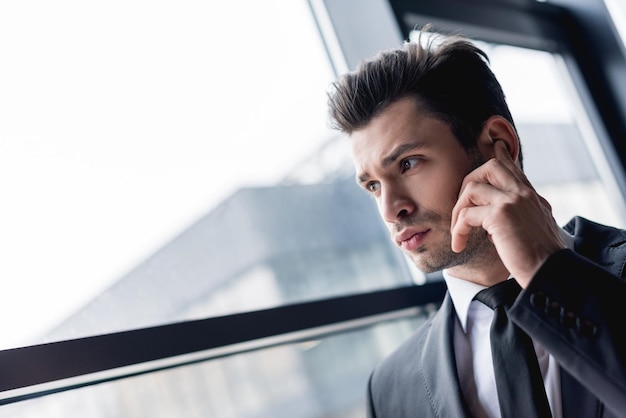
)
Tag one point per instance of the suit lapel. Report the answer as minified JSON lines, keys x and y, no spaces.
{"x":438,"y":364}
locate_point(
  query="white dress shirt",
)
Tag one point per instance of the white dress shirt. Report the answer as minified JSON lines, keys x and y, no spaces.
{"x":472,"y":347}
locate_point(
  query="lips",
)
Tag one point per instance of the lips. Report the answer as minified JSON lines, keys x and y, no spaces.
{"x":410,"y":240}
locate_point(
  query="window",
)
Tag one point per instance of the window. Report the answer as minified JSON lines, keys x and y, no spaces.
{"x":130,"y":131}
{"x":152,"y":178}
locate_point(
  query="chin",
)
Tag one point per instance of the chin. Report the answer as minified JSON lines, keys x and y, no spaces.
{"x":444,"y":260}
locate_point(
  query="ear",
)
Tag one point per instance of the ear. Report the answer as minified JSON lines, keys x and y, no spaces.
{"x":497,"y":128}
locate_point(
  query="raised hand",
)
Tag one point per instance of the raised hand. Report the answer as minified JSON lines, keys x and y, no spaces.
{"x":498,"y":197}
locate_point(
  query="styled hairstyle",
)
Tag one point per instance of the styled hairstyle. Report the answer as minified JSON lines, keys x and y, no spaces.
{"x":449,"y":77}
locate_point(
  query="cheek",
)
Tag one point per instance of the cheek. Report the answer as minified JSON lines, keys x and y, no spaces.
{"x":442,"y":194}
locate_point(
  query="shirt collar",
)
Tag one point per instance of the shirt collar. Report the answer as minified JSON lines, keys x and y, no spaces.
{"x":462,"y":292}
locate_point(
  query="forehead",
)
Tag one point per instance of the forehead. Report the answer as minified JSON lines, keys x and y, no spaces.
{"x":403,"y":124}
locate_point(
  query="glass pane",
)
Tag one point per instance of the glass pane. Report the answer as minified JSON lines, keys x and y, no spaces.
{"x":321,"y":378}
{"x":617,"y":10}
{"x":156,"y":166}
{"x":557,"y":156}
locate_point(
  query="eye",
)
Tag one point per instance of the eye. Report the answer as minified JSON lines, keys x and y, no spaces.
{"x":372,"y":186}
{"x":408,"y":163}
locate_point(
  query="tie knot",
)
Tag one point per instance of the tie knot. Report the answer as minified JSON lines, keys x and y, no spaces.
{"x":503,"y":293}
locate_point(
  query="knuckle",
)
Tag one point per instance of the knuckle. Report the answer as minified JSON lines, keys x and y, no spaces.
{"x":493,"y":162}
{"x":515,"y":200}
{"x":472,"y":186}
{"x":508,"y":208}
{"x":526,"y":193}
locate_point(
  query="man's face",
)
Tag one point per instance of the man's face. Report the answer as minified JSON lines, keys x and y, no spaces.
{"x":413,"y":166}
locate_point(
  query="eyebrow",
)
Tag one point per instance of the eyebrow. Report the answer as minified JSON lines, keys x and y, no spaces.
{"x":393,"y":156}
{"x":399,"y":150}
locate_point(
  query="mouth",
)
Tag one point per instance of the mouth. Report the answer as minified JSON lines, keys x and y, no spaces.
{"x":411,"y":240}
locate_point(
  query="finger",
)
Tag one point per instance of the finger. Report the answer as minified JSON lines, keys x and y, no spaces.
{"x":473,"y":205}
{"x":480,"y":194}
{"x":502,"y":154}
{"x":501,"y":151}
{"x":476,"y":194}
{"x":469,"y":218}
{"x":492,"y":173}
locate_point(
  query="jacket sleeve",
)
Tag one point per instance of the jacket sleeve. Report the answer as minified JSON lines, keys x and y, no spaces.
{"x":576,"y":310}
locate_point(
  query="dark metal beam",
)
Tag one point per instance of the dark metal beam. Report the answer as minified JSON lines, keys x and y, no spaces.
{"x":526,"y":24}
{"x":27,"y":370}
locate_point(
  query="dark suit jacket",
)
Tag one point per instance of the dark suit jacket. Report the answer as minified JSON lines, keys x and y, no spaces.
{"x":574,"y":307}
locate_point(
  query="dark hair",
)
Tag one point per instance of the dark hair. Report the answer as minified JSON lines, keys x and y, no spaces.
{"x":449,"y":77}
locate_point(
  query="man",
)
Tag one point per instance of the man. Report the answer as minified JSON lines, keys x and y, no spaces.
{"x":434,"y":143}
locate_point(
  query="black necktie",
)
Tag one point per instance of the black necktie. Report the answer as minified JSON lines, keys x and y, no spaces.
{"x":521,"y":392}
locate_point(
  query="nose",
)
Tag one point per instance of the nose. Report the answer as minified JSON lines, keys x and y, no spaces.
{"x":395,"y":204}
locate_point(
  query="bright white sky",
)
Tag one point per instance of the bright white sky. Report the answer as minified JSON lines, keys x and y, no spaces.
{"x":123,"y":122}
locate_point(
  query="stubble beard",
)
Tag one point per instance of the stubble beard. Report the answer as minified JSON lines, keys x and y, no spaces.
{"x":429,"y":259}
{"x":478,"y":250}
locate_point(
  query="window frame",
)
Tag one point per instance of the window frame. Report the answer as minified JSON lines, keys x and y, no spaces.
{"x":30,"y":372}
